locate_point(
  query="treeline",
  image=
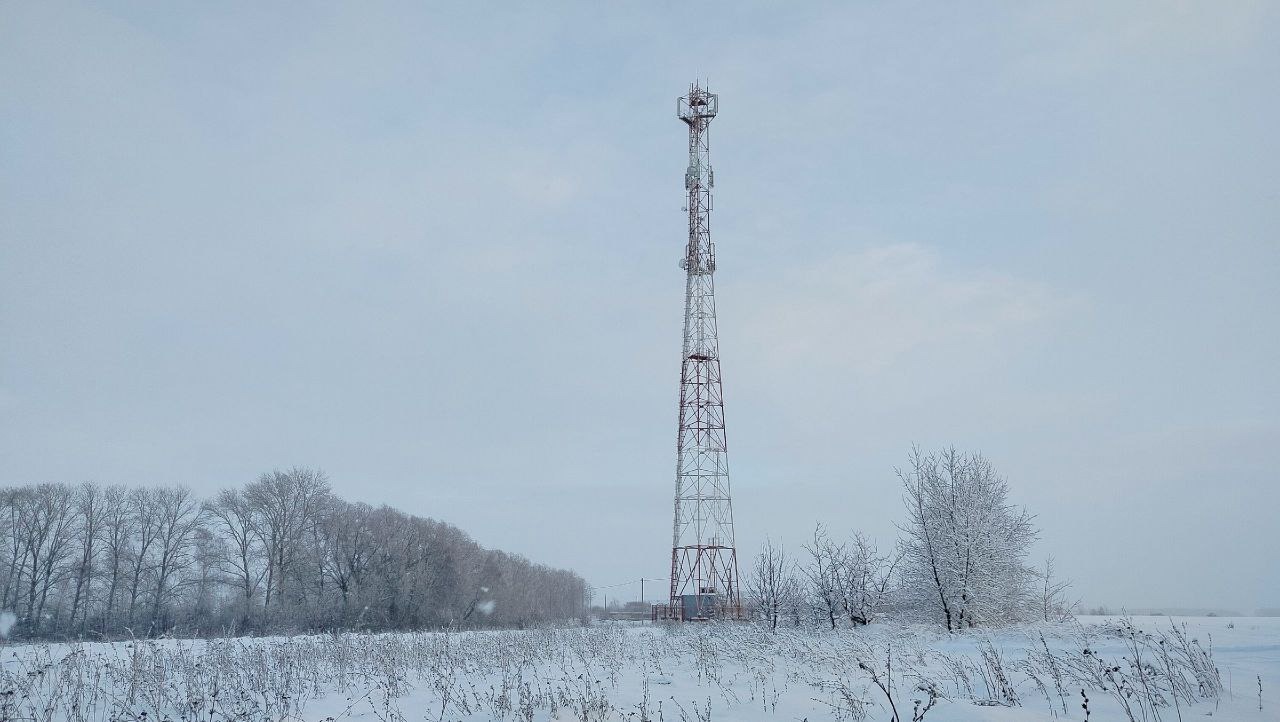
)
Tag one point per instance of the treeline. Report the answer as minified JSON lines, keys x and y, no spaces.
{"x":960,"y":560}
{"x":283,"y":553}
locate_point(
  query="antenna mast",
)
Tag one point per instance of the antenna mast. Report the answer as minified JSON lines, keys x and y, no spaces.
{"x":704,"y":560}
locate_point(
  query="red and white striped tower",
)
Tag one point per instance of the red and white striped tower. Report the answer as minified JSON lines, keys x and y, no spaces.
{"x":704,"y":562}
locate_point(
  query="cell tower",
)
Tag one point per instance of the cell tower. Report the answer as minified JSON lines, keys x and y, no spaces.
{"x":704,"y":562}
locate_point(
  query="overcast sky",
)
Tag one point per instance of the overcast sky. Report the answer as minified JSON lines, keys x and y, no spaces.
{"x":433,"y":251}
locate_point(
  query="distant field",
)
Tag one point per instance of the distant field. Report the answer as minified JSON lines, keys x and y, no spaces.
{"x":621,"y":671}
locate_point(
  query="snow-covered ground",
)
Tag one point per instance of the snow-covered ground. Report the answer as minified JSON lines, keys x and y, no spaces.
{"x":690,"y":672}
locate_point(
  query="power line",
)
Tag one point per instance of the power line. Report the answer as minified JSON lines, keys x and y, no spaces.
{"x":632,"y":581}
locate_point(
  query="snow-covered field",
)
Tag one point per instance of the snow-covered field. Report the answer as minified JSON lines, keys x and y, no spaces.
{"x":690,"y":672}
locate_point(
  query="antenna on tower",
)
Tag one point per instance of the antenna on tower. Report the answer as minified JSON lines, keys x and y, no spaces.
{"x":704,"y":559}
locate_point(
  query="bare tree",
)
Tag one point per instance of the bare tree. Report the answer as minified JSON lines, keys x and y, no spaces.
{"x":1053,"y":604}
{"x":350,"y":553}
{"x":863,"y":577}
{"x":773,"y":585}
{"x":143,"y":528}
{"x":241,"y":559}
{"x":10,"y":524}
{"x":848,"y":580}
{"x":177,"y":519}
{"x":88,"y":505}
{"x":46,"y":522}
{"x":309,"y":567}
{"x":207,"y":550}
{"x":963,"y":544}
{"x":825,"y":557}
{"x":283,"y":503}
{"x":397,"y":540}
{"x":115,"y":531}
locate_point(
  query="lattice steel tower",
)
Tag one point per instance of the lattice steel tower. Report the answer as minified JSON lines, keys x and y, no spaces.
{"x":704,"y":562}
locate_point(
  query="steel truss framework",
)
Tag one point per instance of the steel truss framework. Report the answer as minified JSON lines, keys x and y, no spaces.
{"x":704,"y":560}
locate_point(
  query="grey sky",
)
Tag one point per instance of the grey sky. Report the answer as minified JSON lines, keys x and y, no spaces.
{"x":434,"y":252}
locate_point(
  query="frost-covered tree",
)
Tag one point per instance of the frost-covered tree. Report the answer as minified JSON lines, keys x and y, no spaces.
{"x":847,"y":580}
{"x":964,"y":545}
{"x":772,"y":584}
{"x":863,"y":579}
{"x":823,"y":580}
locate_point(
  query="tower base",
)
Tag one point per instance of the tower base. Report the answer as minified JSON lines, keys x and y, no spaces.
{"x":696,"y":608}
